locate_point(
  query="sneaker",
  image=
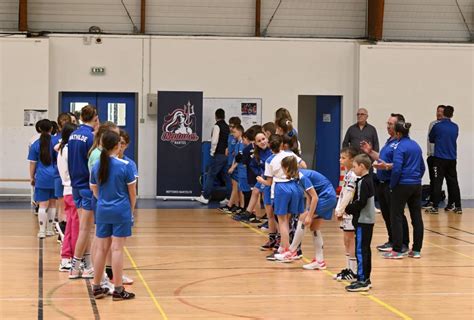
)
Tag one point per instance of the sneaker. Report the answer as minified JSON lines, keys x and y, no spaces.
{"x":286,"y":256}
{"x":88,"y":273}
{"x":349,"y":275}
{"x":457,"y":210}
{"x":124,"y":295}
{"x":244,"y":216}
{"x":74,"y":273}
{"x":315,"y":265}
{"x":269,"y":245}
{"x":41,"y":234}
{"x":271,"y":257}
{"x":449,"y":207}
{"x":65,"y":265}
{"x":339,"y":276}
{"x":427,"y":205}
{"x":264,"y":226}
{"x":126,"y":280}
{"x":202,"y":199}
{"x":254,"y":219}
{"x":50,"y":232}
{"x":386,"y":247}
{"x":414,"y":254}
{"x":358,"y":286}
{"x":100,"y":292}
{"x":106,"y":284}
{"x":432,"y":210}
{"x":237,"y":210}
{"x":225,"y":209}
{"x":299,"y":255}
{"x":224,"y":202}
{"x":393,"y":255}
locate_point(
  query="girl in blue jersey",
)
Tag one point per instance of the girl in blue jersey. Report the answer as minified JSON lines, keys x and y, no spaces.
{"x":233,"y":203}
{"x":80,"y":142}
{"x":405,"y":185}
{"x":114,"y":185}
{"x":320,"y":203}
{"x":42,"y":173}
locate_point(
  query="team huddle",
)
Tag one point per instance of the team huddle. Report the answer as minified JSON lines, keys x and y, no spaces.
{"x":264,"y":166}
{"x":84,"y":172}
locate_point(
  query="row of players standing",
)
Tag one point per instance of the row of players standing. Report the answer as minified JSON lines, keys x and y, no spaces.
{"x":98,"y":184}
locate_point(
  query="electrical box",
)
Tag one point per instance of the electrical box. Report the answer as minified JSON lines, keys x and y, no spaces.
{"x":152,"y":104}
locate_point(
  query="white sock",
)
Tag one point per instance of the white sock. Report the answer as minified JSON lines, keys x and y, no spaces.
{"x":318,"y":245}
{"x":348,"y":265}
{"x":298,"y":237}
{"x":51,"y":216}
{"x":42,"y":219}
{"x":353,"y":265}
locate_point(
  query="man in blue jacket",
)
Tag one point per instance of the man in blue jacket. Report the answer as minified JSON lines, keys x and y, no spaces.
{"x":444,"y":135}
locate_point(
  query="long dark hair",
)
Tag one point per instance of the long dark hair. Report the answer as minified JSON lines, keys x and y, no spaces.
{"x":68,"y":128}
{"x":109,"y":140}
{"x":292,"y":143}
{"x":257,"y":149}
{"x":45,"y":141}
{"x":274,"y":142}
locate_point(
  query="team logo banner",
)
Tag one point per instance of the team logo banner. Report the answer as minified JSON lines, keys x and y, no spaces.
{"x":179,"y":143}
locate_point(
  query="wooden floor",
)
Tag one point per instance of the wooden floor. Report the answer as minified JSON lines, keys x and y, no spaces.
{"x":200,"y":264}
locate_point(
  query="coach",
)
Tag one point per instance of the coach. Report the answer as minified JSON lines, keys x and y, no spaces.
{"x":361,"y":131}
{"x":444,"y":135}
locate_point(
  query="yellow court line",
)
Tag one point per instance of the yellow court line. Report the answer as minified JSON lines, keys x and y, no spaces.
{"x":364,"y":294}
{"x":461,"y":254}
{"x":150,"y":293}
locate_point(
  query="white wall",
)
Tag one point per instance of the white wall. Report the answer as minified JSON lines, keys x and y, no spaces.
{"x":23,"y":85}
{"x":413,"y":79}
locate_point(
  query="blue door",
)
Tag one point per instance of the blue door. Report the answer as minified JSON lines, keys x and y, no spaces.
{"x":115,"y":107}
{"x":328,"y":137}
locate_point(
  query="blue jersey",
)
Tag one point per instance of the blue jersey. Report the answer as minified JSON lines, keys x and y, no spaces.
{"x":258,"y":166}
{"x":80,"y":142}
{"x":241,"y":168}
{"x":321,"y":184}
{"x":55,"y":140}
{"x":132,"y":164}
{"x":113,"y":203}
{"x":444,"y":135}
{"x":408,"y":166}
{"x":44,"y":174}
{"x":231,"y":144}
{"x":386,"y":154}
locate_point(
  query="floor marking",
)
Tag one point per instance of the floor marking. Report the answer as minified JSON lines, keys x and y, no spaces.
{"x":150,"y":293}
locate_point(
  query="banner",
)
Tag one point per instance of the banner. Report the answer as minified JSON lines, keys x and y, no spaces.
{"x":179,"y":144}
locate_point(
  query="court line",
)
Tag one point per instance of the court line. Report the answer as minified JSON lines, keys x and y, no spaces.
{"x":40,"y":280}
{"x":461,"y":230}
{"x":92,"y":300}
{"x":150,"y":293}
{"x":367,"y":295}
{"x":448,"y":236}
{"x":459,"y":253}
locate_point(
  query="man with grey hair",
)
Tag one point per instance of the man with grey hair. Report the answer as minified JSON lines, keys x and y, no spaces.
{"x":361,"y":131}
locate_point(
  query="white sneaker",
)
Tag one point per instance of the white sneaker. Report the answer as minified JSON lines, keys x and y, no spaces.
{"x":88,"y":273}
{"x":50,"y":232}
{"x":202,"y":199}
{"x":286,"y":256}
{"x":315,"y":265}
{"x":224,"y":202}
{"x":127,"y":280}
{"x":109,"y":285}
{"x":65,"y":265}
{"x":41,"y":234}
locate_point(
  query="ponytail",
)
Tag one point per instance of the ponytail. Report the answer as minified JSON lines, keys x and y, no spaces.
{"x":403,"y":128}
{"x":110,"y":140}
{"x":68,"y":128}
{"x":45,"y":141}
{"x":292,"y":143}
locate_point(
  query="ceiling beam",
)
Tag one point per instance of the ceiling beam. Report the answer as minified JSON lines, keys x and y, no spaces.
{"x":258,"y":11}
{"x":142,"y":16}
{"x":375,"y":19}
{"x":22,"y":15}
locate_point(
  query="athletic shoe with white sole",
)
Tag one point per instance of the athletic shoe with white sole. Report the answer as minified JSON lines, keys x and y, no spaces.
{"x":126,"y":280}
{"x":393,"y":255}
{"x":286,"y":256}
{"x":124,"y":295}
{"x":65,"y":265}
{"x":224,"y":202}
{"x":315,"y":265}
{"x":88,"y":273}
{"x":386,"y":247}
{"x":414,"y":254}
{"x":41,"y":234}
{"x":359,"y":286}
{"x":202,"y":200}
{"x":75,"y":273}
{"x":107,"y":284}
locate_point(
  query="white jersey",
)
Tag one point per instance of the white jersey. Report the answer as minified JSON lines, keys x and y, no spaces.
{"x":275,"y":171}
{"x":347,"y":192}
{"x":63,"y":171}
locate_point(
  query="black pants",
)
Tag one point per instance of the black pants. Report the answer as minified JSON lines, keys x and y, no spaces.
{"x":431,"y":172}
{"x":446,"y":169}
{"x":406,"y":194}
{"x":383,"y":192}
{"x":363,"y":238}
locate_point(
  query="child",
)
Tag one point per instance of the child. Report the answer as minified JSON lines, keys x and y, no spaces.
{"x":114,"y":185}
{"x":96,"y":148}
{"x":345,"y":197}
{"x":269,"y":129}
{"x":42,"y":172}
{"x":72,"y":220}
{"x":236,"y":197}
{"x":362,"y":210}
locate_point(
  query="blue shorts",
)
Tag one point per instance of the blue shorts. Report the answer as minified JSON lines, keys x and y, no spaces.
{"x":267,"y":194}
{"x":82,"y":198}
{"x":289,"y":198}
{"x":325,"y":208}
{"x":243,"y":184}
{"x":119,"y":230}
{"x":42,"y":195}
{"x":58,"y":188}
{"x":234,"y":176}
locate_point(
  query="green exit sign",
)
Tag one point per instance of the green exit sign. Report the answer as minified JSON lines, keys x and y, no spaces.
{"x":98,"y":70}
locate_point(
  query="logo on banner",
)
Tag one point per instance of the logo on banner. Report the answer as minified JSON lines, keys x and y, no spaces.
{"x":179,"y":127}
